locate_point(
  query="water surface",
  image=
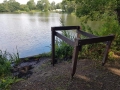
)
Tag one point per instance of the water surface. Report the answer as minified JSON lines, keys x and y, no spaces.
{"x":30,"y":33}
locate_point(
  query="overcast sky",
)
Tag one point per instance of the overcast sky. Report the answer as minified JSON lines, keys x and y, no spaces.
{"x":25,"y":1}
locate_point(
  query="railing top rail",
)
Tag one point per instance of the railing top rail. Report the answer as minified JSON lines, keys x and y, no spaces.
{"x":95,"y":40}
{"x":65,"y":28}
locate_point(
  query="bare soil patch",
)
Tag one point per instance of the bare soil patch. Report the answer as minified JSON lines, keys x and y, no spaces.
{"x":90,"y":75}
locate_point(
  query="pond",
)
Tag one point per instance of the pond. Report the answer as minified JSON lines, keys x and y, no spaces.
{"x":30,"y":34}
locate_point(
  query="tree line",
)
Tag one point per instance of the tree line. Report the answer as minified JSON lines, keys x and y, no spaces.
{"x":42,"y":5}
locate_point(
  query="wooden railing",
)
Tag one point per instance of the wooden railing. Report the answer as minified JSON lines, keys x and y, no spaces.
{"x":78,"y":43}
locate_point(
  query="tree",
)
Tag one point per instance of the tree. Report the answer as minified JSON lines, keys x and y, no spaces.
{"x":24,"y":7}
{"x":68,"y":7}
{"x":97,"y":7}
{"x":105,"y":11}
{"x":5,"y":4}
{"x":52,"y":5}
{"x":58,"y":6}
{"x":43,"y":5}
{"x":13,"y":5}
{"x":9,"y":6}
{"x":64,"y":5}
{"x":31,"y":4}
{"x":2,"y":8}
{"x":46,"y":5}
{"x":39,"y":5}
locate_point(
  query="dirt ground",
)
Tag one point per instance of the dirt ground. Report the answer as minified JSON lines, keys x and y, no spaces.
{"x":90,"y":75}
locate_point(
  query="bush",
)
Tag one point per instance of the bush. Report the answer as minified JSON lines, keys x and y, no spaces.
{"x":109,"y":26}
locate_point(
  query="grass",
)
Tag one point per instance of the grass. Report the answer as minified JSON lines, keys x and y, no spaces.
{"x":6,"y":82}
{"x":6,"y":78}
{"x":37,"y":56}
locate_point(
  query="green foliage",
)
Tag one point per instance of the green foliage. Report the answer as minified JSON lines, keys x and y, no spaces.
{"x":91,"y":51}
{"x":52,"y":6}
{"x":43,"y":55}
{"x":6,"y":82}
{"x":13,"y":5}
{"x":39,"y":5}
{"x":5,"y":64}
{"x":97,"y":9}
{"x":58,"y":6}
{"x":6,"y":78}
{"x":89,"y":8}
{"x":31,"y":4}
{"x":111,"y":26}
{"x":24,"y":8}
{"x":43,"y":5}
{"x":2,"y":8}
{"x":62,"y":49}
{"x":68,"y":7}
{"x":15,"y":58}
{"x":9,"y":6}
{"x":107,"y":13}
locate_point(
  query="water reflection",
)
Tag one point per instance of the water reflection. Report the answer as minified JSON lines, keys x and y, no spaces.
{"x":30,"y":33}
{"x":70,"y":19}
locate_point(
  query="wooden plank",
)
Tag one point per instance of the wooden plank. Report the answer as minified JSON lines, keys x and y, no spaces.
{"x":68,"y":41}
{"x":95,"y":40}
{"x":53,"y":46}
{"x":78,"y":34}
{"x":86,"y":34}
{"x":106,"y":52}
{"x":65,"y":28}
{"x":74,"y":58}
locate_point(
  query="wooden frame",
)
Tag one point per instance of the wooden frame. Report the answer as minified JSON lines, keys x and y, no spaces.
{"x":78,"y":43}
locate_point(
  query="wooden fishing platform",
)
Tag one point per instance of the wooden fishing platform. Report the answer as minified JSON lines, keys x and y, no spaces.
{"x":79,"y":43}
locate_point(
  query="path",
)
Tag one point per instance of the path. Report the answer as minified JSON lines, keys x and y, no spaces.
{"x":90,"y":75}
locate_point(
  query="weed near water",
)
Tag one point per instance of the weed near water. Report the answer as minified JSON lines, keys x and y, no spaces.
{"x":63,"y":51}
{"x":5,"y":63}
{"x":43,"y":55}
{"x":6,"y":78}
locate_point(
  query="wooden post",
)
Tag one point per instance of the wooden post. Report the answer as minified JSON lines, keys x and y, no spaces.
{"x":78,"y":35}
{"x":53,"y":46}
{"x":75,"y":57}
{"x":108,"y":44}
